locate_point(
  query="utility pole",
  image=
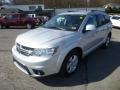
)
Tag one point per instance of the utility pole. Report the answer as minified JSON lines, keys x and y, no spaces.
{"x":87,"y":4}
{"x":43,"y":1}
{"x":69,"y":4}
{"x":33,"y":1}
{"x":14,"y":1}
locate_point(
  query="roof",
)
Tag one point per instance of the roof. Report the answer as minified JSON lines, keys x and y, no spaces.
{"x":83,"y":12}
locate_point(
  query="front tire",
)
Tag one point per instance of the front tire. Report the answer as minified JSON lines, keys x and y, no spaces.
{"x":70,"y":64}
{"x":28,"y":26}
{"x":7,"y":27}
{"x":1,"y":26}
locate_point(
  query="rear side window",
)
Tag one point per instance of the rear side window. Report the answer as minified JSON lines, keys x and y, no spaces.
{"x":107,"y":19}
{"x":23,"y":15}
{"x":15,"y":16}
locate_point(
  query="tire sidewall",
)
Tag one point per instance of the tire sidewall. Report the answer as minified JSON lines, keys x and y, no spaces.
{"x":63,"y":71}
{"x":28,"y":26}
{"x":0,"y":26}
{"x":106,"y":44}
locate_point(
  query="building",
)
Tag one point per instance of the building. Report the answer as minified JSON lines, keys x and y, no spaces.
{"x":31,"y":7}
{"x":28,"y":9}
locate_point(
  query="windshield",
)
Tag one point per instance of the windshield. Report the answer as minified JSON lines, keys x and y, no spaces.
{"x":116,"y":17}
{"x":65,"y":22}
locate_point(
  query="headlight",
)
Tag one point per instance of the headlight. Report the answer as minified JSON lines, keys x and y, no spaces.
{"x":44,"y":52}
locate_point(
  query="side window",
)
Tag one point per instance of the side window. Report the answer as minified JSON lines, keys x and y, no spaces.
{"x":107,"y":19}
{"x":22,"y":15}
{"x":14,"y":16}
{"x":9,"y":17}
{"x":100,"y":20}
{"x":91,"y":21}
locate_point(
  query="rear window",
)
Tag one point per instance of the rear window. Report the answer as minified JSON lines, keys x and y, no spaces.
{"x":115,"y":17}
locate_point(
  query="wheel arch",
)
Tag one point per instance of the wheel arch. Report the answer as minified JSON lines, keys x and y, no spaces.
{"x":60,"y":63}
{"x":78,"y":49}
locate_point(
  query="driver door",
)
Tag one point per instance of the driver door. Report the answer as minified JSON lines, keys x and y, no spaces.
{"x":12,"y":20}
{"x":89,"y":37}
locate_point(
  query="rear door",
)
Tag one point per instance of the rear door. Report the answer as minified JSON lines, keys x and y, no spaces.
{"x":22,"y":19}
{"x":103,"y":24}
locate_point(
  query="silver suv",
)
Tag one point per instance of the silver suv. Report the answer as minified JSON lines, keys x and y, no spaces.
{"x":60,"y":44}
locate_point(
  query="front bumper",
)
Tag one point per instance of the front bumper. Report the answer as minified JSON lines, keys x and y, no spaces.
{"x":35,"y":66}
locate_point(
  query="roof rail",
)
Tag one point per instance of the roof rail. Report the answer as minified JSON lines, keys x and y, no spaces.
{"x":94,"y":10}
{"x":97,"y":10}
{"x":71,"y":11}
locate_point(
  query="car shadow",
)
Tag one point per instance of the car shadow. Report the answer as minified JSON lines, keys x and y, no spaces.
{"x":116,"y":28}
{"x":95,"y":67}
{"x":19,"y":27}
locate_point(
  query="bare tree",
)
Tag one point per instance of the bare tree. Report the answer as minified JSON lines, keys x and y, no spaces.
{"x":67,"y":3}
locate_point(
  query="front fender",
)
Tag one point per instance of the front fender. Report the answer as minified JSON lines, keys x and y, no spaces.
{"x":65,"y":52}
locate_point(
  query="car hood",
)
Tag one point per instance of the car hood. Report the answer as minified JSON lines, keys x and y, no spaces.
{"x":41,"y":36}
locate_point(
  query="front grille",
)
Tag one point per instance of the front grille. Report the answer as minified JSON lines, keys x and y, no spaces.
{"x":24,"y":50}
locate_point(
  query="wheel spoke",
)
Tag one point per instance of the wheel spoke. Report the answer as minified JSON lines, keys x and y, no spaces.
{"x":72,"y":64}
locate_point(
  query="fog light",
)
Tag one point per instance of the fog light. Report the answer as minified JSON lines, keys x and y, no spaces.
{"x":38,"y":72}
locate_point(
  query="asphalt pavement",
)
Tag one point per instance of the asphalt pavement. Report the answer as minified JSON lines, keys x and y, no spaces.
{"x":100,"y":70}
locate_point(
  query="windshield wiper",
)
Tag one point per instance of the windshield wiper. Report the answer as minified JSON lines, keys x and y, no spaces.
{"x":55,"y":27}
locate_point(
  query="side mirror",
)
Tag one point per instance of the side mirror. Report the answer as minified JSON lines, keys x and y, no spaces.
{"x":90,"y":27}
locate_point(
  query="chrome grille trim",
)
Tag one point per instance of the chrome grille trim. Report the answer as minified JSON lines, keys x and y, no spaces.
{"x":24,"y":50}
